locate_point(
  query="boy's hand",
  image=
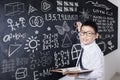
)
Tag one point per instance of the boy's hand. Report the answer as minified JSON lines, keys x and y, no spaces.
{"x":79,"y":24}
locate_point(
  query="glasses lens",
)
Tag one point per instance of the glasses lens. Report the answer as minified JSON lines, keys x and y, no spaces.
{"x":82,"y":33}
{"x":89,"y":34}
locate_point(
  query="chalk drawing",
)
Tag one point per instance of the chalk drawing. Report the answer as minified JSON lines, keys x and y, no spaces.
{"x":21,"y":61}
{"x":32,"y":44}
{"x":10,"y":21}
{"x":59,"y":9}
{"x":85,"y":14}
{"x":44,"y":59}
{"x":36,"y":32}
{"x":32,"y":56}
{"x":60,"y":3}
{"x":15,"y":8}
{"x":71,"y":3}
{"x":75,"y":31}
{"x":62,"y":29}
{"x":49,"y":28}
{"x":75,"y":51}
{"x":36,"y":21}
{"x":66,"y":6}
{"x":66,"y":42}
{"x":13,"y":48}
{"x":33,"y":61}
{"x":8,"y":65}
{"x":31,"y":9}
{"x":22,"y":21}
{"x":96,"y":4}
{"x":110,"y":45}
{"x":103,"y":46}
{"x":21,"y":73}
{"x":46,"y":6}
{"x":76,"y":4}
{"x":16,"y":24}
{"x":33,"y":64}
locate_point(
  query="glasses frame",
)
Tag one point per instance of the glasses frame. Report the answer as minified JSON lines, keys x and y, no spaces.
{"x":88,"y":33}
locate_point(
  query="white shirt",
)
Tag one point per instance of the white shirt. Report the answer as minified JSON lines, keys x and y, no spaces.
{"x":92,"y":59}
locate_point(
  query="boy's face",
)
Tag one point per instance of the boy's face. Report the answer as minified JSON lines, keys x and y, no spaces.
{"x":87,"y":35}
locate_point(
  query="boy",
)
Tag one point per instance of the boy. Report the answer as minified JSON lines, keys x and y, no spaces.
{"x":92,"y":57}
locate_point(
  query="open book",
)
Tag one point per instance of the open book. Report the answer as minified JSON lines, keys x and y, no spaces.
{"x":70,"y":70}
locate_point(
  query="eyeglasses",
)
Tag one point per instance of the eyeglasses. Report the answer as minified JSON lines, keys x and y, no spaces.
{"x":88,"y":33}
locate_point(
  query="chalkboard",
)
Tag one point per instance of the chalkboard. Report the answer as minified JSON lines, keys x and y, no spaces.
{"x":105,"y":14}
{"x":37,"y":36}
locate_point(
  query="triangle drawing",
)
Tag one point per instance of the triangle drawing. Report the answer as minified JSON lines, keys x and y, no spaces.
{"x":31,"y":9}
{"x":66,"y":41}
{"x":13,"y":48}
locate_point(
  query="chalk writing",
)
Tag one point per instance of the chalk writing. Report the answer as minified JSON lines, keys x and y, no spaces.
{"x":15,"y":36}
{"x":21,"y":61}
{"x":61,"y":58}
{"x":60,"y":17}
{"x":38,"y":36}
{"x":50,"y":41}
{"x":103,"y":12}
{"x":105,"y":24}
{"x":96,"y":4}
{"x":66,"y":6}
{"x":44,"y":60}
{"x":43,"y":73}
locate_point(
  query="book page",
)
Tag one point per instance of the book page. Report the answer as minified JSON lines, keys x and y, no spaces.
{"x":70,"y":70}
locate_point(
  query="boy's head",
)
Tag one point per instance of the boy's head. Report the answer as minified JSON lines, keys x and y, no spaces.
{"x":88,"y":32}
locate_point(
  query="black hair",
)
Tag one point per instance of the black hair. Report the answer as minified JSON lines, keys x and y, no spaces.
{"x":91,"y":24}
